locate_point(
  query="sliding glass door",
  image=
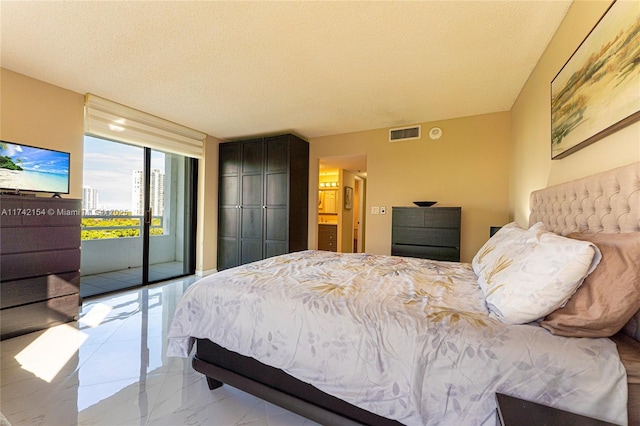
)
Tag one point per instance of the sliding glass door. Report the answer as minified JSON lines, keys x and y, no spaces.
{"x":138,"y":216}
{"x":170,"y":215}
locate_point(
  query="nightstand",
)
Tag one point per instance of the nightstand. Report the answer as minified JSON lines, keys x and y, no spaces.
{"x":493,"y":230}
{"x":514,"y":411}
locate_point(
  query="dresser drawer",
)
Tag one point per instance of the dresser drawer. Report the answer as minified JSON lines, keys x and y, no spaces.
{"x":37,"y":316}
{"x":28,"y":239}
{"x":10,"y":210}
{"x":407,"y":217}
{"x":432,"y":217}
{"x":26,"y":265}
{"x":36,"y":211}
{"x":329,"y":232}
{"x":450,"y":254}
{"x":328,"y":246}
{"x":20,"y":292}
{"x":447,"y":237}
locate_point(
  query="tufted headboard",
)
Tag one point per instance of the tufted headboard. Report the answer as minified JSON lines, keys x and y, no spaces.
{"x":606,"y":202}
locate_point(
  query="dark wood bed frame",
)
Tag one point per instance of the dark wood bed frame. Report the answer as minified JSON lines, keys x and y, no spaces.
{"x":547,"y":205}
{"x":271,"y":384}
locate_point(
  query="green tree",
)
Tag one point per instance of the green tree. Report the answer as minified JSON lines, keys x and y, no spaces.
{"x":122,"y":227}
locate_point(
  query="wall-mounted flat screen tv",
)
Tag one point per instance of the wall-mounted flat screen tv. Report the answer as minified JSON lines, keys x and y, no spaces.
{"x":29,"y":168}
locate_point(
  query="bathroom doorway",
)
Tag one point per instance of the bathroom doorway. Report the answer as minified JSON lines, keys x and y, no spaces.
{"x":341,"y":204}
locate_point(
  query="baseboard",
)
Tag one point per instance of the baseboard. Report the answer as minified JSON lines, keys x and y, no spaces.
{"x":201,"y":273}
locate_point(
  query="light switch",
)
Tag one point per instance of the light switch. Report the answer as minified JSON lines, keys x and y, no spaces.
{"x":383,"y":210}
{"x":375,"y":210}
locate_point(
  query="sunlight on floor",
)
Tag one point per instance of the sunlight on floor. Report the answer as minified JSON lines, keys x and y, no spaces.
{"x":50,"y":352}
{"x":96,"y":315}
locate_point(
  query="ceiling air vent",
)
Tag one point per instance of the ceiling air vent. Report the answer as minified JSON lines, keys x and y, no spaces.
{"x":404,"y":134}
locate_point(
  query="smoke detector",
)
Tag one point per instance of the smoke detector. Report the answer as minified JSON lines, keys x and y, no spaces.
{"x":435,"y":133}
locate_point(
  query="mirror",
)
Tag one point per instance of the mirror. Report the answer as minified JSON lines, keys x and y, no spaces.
{"x":327,"y":201}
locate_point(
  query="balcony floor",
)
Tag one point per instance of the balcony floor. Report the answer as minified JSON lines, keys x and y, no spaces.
{"x":107,"y":282}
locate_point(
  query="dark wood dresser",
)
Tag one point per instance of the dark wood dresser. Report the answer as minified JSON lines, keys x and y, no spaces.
{"x":426,"y":232}
{"x":328,"y":237}
{"x":39,"y":263}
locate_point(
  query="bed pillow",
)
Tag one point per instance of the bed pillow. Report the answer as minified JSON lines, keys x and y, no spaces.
{"x":608,"y":298}
{"x":526,"y":280}
{"x":510,"y":237}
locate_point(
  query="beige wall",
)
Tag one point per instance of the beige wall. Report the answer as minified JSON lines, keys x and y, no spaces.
{"x":531,"y":164}
{"x":345,"y":223}
{"x":207,"y":223}
{"x":467,"y":167}
{"x":36,"y":113}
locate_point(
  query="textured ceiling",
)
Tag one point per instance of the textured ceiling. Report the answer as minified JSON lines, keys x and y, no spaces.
{"x":234,"y":69}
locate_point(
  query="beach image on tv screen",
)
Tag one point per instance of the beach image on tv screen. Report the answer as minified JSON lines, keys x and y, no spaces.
{"x":27,"y":168}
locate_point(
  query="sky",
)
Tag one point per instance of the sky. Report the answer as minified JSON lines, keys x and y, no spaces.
{"x":109,"y":166}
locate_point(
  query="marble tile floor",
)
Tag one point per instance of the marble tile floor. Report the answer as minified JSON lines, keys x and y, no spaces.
{"x":110,"y":368}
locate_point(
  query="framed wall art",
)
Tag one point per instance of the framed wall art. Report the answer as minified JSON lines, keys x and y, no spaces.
{"x":348,"y":197}
{"x":596,"y":93}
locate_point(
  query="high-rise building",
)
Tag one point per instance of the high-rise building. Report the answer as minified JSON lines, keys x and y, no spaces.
{"x":89,"y":200}
{"x":137,"y":193}
{"x":156,"y":196}
{"x":157,"y":192}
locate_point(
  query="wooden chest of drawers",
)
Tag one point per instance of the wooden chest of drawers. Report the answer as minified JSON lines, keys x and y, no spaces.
{"x":426,"y":232}
{"x":40,"y":257}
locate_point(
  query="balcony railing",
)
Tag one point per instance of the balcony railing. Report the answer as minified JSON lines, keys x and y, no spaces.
{"x":98,"y":227}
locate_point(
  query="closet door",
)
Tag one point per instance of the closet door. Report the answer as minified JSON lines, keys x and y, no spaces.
{"x":263,"y":199}
{"x":276,"y":196}
{"x":298,"y":194}
{"x":251,"y":201}
{"x":229,"y":206}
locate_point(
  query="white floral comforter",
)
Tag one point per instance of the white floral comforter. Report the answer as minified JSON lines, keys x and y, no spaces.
{"x":408,"y":339}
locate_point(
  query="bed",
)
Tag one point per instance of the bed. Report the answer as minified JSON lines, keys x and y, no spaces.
{"x":381,"y":340}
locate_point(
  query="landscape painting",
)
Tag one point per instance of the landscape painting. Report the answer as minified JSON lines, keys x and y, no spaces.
{"x":597,"y":91}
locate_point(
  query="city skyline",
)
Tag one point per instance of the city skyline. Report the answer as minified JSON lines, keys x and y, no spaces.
{"x":91,"y":196}
{"x":109,"y":167}
{"x":156,"y":193}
